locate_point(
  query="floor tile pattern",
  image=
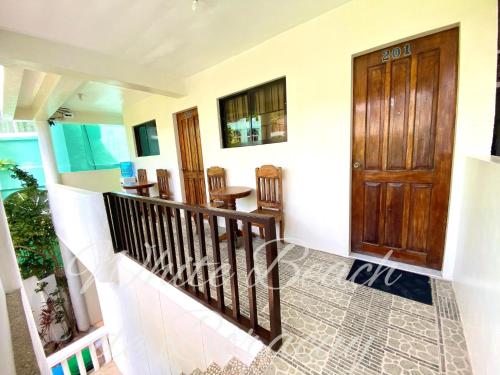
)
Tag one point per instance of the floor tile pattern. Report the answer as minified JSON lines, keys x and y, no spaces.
{"x":333,"y":326}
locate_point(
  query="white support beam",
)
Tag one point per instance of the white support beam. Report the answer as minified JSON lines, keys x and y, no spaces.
{"x":53,"y":93}
{"x":42,"y":55}
{"x":13,"y":78}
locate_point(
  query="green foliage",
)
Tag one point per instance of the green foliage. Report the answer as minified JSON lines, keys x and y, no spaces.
{"x":32,"y":263}
{"x":31,"y":226}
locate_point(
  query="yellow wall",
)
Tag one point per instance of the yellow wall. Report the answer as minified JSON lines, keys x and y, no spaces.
{"x":316,"y":59}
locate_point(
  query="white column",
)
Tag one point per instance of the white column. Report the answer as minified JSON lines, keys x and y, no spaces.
{"x":9,"y":271}
{"x":47,"y":153}
{"x":70,"y":267}
{"x":75,"y":288}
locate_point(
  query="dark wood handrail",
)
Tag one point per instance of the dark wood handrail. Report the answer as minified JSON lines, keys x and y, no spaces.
{"x":151,"y":231}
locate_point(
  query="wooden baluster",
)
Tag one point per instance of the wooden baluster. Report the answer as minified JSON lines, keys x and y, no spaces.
{"x":192,"y":254}
{"x":214,"y":231}
{"x":235,"y":297}
{"x":130,"y":229}
{"x":203,"y":255}
{"x":123,"y":220}
{"x":135,"y":245}
{"x":155,"y":249}
{"x":252,"y":294}
{"x":147,"y":236}
{"x":273,"y":283}
{"x":140,"y":231}
{"x":180,"y":243}
{"x":121,"y":236}
{"x":111,"y":219}
{"x":163,"y":251}
{"x":171,"y":242}
{"x":93,"y":356}
{"x":81,"y":363}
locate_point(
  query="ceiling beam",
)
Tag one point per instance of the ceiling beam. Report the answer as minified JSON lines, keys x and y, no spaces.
{"x":93,"y":118}
{"x":13,"y":79}
{"x":52,"y":57}
{"x":52,"y":94}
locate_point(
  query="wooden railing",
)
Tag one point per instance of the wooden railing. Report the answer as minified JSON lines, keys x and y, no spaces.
{"x":160,"y":235}
{"x":96,"y":342}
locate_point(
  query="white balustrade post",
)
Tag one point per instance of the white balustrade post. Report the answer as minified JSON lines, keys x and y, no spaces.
{"x":75,"y":288}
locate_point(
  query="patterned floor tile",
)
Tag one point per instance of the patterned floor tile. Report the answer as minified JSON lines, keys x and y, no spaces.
{"x":332,"y":326}
{"x":396,"y":365}
{"x":413,"y":324}
{"x":414,"y":347}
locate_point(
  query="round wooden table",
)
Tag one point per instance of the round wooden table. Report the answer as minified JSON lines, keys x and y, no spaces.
{"x":142,"y":188}
{"x":229,"y":194}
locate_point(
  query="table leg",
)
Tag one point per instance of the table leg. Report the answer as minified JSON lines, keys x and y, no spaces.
{"x":231,"y":205}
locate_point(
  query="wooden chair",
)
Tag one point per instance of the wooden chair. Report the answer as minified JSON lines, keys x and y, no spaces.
{"x":163,"y":185}
{"x":216,"y":177}
{"x":269,"y":188}
{"x":142,"y":175}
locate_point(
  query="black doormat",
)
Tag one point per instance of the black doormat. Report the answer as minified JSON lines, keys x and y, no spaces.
{"x":400,"y":283}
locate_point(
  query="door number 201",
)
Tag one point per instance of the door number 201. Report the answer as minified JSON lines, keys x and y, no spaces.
{"x":396,"y":52}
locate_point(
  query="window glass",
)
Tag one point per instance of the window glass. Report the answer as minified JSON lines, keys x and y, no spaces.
{"x":256,"y":116}
{"x":81,"y":147}
{"x":146,"y":139}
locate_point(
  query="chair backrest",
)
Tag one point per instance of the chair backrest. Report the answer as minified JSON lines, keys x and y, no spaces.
{"x":216,"y":177}
{"x":269,"y":187}
{"x":163,"y":186}
{"x":142,"y":175}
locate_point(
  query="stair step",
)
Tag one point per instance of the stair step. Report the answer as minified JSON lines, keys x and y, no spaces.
{"x":261,"y":362}
{"x":235,"y":367}
{"x":213,"y":369}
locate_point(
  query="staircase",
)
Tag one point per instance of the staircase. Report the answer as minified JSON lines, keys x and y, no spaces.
{"x":236,"y":367}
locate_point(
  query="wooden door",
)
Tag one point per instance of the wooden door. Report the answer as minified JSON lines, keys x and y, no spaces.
{"x":191,"y":157}
{"x":403,"y":128}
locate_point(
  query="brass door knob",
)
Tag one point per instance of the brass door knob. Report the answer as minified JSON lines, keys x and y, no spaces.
{"x":356,"y":165}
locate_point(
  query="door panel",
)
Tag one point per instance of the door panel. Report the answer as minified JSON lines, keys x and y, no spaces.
{"x":425,"y":110}
{"x":403,"y":125}
{"x":420,"y":199}
{"x":191,"y":157}
{"x":398,"y":120}
{"x":372,"y":212}
{"x":374,"y":116}
{"x":394,"y":207}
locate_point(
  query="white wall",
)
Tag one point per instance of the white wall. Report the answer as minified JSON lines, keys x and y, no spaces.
{"x":9,"y":271}
{"x":154,"y":328}
{"x":102,"y":180}
{"x":316,"y":58}
{"x":477,"y":271}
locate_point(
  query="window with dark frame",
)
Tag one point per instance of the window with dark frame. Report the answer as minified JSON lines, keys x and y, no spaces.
{"x":146,"y":139}
{"x":254,"y":116}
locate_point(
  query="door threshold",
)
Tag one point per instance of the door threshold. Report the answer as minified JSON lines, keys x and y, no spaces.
{"x":398,"y":265}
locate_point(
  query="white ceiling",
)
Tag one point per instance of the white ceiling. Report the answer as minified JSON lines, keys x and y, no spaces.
{"x":162,"y":34}
{"x":99,"y":97}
